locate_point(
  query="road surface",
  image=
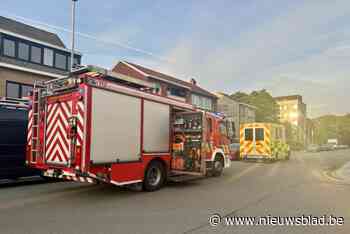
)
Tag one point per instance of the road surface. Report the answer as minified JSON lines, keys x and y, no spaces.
{"x":302,"y":186}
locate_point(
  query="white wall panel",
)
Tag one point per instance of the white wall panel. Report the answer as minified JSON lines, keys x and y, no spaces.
{"x":156,"y":127}
{"x":116,"y":127}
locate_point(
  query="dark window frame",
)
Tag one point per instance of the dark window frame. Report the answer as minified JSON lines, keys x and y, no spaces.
{"x":3,"y":47}
{"x":41,"y":55}
{"x":17,"y":49}
{"x":259,"y":134}
{"x":42,"y":47}
{"x":250,"y":134}
{"x":67,"y":61}
{"x":19,"y":88}
{"x":177,"y":91}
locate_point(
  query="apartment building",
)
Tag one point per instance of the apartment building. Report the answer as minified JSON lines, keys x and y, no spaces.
{"x":27,"y":54}
{"x":293,"y":110}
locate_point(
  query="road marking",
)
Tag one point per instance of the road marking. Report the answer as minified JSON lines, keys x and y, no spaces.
{"x":244,"y":172}
{"x":273,"y":170}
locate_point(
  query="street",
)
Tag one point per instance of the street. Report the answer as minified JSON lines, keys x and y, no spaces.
{"x":302,"y":186}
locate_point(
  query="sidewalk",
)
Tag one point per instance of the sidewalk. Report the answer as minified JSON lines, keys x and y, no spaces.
{"x":343,"y":172}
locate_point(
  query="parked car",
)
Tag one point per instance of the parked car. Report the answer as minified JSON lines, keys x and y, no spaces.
{"x":342,"y":146}
{"x":13,"y":129}
{"x":313,"y":148}
{"x":234,"y":148}
{"x":326,"y":147}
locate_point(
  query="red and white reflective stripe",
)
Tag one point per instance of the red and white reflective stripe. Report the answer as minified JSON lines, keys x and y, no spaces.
{"x":80,"y":179}
{"x":80,"y":123}
{"x":30,"y":124}
{"x":57,"y":143}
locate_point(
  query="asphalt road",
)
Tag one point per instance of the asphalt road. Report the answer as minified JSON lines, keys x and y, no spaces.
{"x":302,"y":186}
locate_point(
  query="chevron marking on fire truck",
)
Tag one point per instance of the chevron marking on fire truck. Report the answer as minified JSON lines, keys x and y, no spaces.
{"x":57,"y":144}
{"x":80,"y":122}
{"x":30,"y":123}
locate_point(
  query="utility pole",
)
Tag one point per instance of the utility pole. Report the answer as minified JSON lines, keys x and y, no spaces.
{"x":73,"y":35}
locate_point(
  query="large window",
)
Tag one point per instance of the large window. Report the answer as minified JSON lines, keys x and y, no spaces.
{"x":248,"y":134}
{"x":60,"y":61}
{"x":36,"y":54}
{"x":179,"y":92}
{"x":17,"y":90}
{"x":23,"y":51}
{"x":259,"y":134}
{"x":202,"y":102}
{"x":9,"y":47}
{"x":48,"y":57}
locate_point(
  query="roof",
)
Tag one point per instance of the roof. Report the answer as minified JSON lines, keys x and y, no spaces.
{"x":167,"y":78}
{"x":30,"y":31}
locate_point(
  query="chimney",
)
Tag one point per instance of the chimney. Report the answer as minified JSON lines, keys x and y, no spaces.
{"x":193,"y":81}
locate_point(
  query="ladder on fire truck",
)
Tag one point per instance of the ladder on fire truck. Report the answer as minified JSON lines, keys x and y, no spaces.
{"x":35,"y":125}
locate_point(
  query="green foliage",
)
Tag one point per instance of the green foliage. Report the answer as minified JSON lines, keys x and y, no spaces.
{"x":291,"y":133}
{"x":332,"y":126}
{"x":267,"y":106}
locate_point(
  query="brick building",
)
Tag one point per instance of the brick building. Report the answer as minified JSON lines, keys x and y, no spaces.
{"x":169,"y":86}
{"x":27,"y":54}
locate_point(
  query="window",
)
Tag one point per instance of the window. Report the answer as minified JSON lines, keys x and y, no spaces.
{"x":61,"y":61}
{"x":25,"y":90}
{"x":12,"y":90}
{"x":76,"y":61}
{"x":157,"y":88}
{"x":48,"y":57}
{"x":23,"y":51}
{"x":248,"y":134}
{"x":9,"y":47}
{"x":177,"y":92}
{"x":223,"y":129}
{"x":36,"y":54}
{"x":259,"y":134}
{"x":17,"y":90}
{"x":202,"y":102}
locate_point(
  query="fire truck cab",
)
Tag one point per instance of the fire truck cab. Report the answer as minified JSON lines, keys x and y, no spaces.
{"x":96,"y":126}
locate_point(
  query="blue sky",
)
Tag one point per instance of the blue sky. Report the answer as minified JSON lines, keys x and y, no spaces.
{"x":287,"y":47}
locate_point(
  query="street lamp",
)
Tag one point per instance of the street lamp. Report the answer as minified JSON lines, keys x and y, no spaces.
{"x":73,"y":36}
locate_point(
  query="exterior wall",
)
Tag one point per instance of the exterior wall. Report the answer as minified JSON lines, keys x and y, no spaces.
{"x":239,"y":113}
{"x":17,"y":76}
{"x":246,"y":114}
{"x":230,"y":108}
{"x":294,"y":111}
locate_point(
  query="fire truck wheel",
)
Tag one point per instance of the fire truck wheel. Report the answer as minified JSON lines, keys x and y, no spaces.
{"x":154,"y":176}
{"x":218,"y":165}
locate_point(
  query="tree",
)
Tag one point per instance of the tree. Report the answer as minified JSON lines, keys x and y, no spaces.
{"x":266,"y":105}
{"x":332,"y":126}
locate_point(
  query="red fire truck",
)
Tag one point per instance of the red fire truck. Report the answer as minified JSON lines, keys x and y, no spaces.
{"x":97,"y":126}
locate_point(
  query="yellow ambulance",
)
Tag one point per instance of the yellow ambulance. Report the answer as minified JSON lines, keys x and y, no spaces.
{"x":263,"y":141}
